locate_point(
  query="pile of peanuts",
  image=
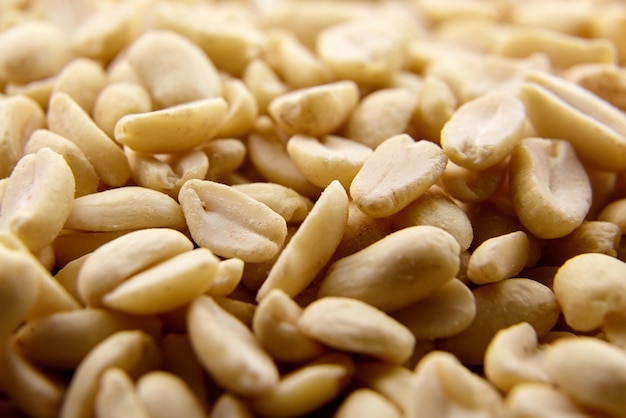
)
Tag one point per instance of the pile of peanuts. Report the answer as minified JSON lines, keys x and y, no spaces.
{"x":313,"y":208}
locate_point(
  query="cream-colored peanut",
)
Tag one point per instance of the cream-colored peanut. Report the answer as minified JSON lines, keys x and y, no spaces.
{"x":393,"y":106}
{"x":447,"y":311}
{"x":614,"y":212}
{"x":38,"y":199}
{"x":537,"y":400}
{"x":315,"y":111}
{"x":173,"y":69}
{"x":499,"y":258}
{"x":366,"y":403}
{"x":67,"y":277}
{"x":307,"y":388}
{"x":399,"y":171}
{"x":226,"y":277}
{"x":263,"y":83}
{"x":310,"y":248}
{"x":549,"y":186}
{"x":573,"y":16}
{"x":117,"y":397}
{"x":85,"y":177}
{"x":66,"y":118}
{"x":225,"y":156}
{"x":484,"y":131}
{"x":117,"y":100}
{"x":230,"y":223}
{"x":243,"y":311}
{"x":558,"y":108}
{"x":590,"y":371}
{"x":396,"y":271}
{"x":246,"y":370}
{"x":275,"y":326}
{"x":133,"y":252}
{"x":588,"y":287}
{"x":71,"y":245}
{"x":39,"y":90}
{"x":390,"y":380}
{"x":435,"y":106}
{"x":607,"y":81}
{"x":285,"y":201}
{"x":498,"y":306}
{"x":330,"y":158}
{"x":242,"y":110}
{"x":132,"y":351}
{"x":590,"y":237}
{"x":472,"y":186}
{"x":354,"y":326}
{"x":229,"y":406}
{"x":82,"y":79}
{"x":165,"y":395}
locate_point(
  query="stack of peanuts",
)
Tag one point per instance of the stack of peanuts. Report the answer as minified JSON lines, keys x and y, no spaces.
{"x":298,"y":208}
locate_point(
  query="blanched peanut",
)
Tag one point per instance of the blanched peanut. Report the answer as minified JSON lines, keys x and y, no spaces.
{"x":292,"y":206}
{"x":315,"y":111}
{"x":332,"y":157}
{"x":590,"y":371}
{"x":226,"y":277}
{"x":484,"y":131}
{"x":392,"y":381}
{"x":590,"y":237}
{"x":230,"y":223}
{"x":125,"y":208}
{"x":615,"y":212}
{"x":394,"y":106}
{"x":399,"y":171}
{"x":38,"y":199}
{"x":242,"y":110}
{"x":435,"y":106}
{"x":607,"y":81}
{"x":588,"y":287}
{"x":307,"y":388}
{"x":366,"y":403}
{"x":246,"y":370}
{"x":447,"y":311}
{"x":472,"y":186}
{"x":498,"y":306}
{"x":132,"y":351}
{"x":82,"y":79}
{"x":117,"y":100}
{"x":133,"y":252}
{"x":573,"y":15}
{"x":263,"y":83}
{"x":165,"y":395}
{"x":173,"y":69}
{"x":225,"y":156}
{"x":538,"y":400}
{"x":275,"y":326}
{"x":229,"y":406}
{"x":85,"y":177}
{"x":66,"y":118}
{"x":396,"y":271}
{"x":243,"y":311}
{"x":117,"y":397}
{"x":174,"y":129}
{"x":71,"y":245}
{"x":561,"y":109}
{"x":499,"y":258}
{"x":62,"y":340}
{"x":354,"y":326}
{"x":549,"y":186}
{"x":513,"y":358}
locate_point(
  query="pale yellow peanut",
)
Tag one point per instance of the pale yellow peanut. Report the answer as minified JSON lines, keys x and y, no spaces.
{"x":85,"y":177}
{"x":549,"y":186}
{"x":165,"y":286}
{"x":472,"y":186}
{"x":442,"y":387}
{"x":82,"y":79}
{"x":122,"y":71}
{"x":436,"y":208}
{"x":447,"y":311}
{"x":588,"y":287}
{"x":393,"y":106}
{"x":263,"y":83}
{"x":167,"y":173}
{"x":285,"y":201}
{"x":390,"y":380}
{"x":396,"y":271}
{"x":242,"y":310}
{"x":615,"y":212}
{"x":174,"y":129}
{"x":179,"y":359}
{"x":275,"y":326}
{"x":66,"y":118}
{"x":484,"y":131}
{"x":558,"y":108}
{"x":38,"y":199}
{"x":269,"y":156}
{"x":242,"y":110}
{"x":608,"y":22}
{"x":132,"y":351}
{"x":165,"y":395}
{"x":315,"y":111}
{"x":590,"y":371}
{"x":35,"y":392}
{"x":133,"y":252}
{"x":573,"y":15}
{"x":471,"y":33}
{"x":32,"y":50}
{"x":225,"y":156}
{"x":226,"y":277}
{"x":229,"y":406}
{"x":351,"y":325}
{"x":19,"y":117}
{"x":537,"y":400}
{"x":366,"y":403}
{"x":498,"y":306}
{"x":307,"y":388}
{"x":590,"y":237}
{"x":71,"y":245}
{"x":435,"y":106}
{"x":117,"y":397}
{"x":246,"y":370}
{"x":119,"y":99}
{"x":61,"y":340}
{"x":310,"y":248}
{"x":607,"y":81}
{"x":39,"y":90}
{"x":513,"y":358}
{"x":499,"y":258}
{"x":230,"y":223}
{"x":173,"y":69}
{"x":130,"y":207}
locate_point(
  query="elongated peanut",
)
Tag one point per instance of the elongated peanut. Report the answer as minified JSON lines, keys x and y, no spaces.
{"x":117,"y":100}
{"x":285,"y":201}
{"x":366,"y":403}
{"x":165,"y":394}
{"x":499,"y":258}
{"x":392,"y":381}
{"x":82,"y":79}
{"x":117,"y":397}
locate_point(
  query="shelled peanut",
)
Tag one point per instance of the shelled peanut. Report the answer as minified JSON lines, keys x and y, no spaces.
{"x":312,"y":208}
